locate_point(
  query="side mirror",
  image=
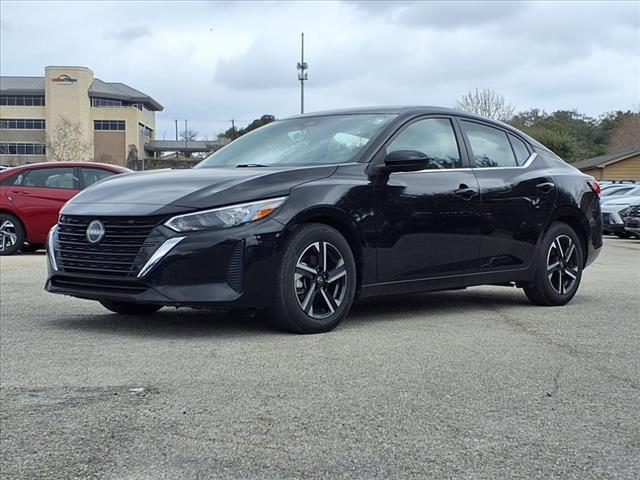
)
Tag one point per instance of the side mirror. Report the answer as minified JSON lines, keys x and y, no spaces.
{"x":406,"y":161}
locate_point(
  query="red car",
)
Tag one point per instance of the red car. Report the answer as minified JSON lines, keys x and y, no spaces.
{"x":32,"y":195}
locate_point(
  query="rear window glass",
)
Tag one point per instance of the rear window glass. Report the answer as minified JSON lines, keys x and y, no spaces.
{"x":490,"y":146}
{"x":520,"y":149}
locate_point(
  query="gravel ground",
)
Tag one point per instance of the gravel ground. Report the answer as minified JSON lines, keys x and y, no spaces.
{"x":467,"y":384}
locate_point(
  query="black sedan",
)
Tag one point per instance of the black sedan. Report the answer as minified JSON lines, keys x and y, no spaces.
{"x":306,"y":214}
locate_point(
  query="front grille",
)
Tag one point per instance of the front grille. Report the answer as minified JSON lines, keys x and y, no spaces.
{"x":127,"y":244}
{"x":635,"y":211}
{"x":606,"y":219}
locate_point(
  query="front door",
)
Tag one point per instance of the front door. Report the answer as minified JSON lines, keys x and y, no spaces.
{"x":39,"y":194}
{"x":428,"y":221}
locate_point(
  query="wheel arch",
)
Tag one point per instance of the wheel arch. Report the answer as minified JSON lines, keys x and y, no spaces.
{"x":577,"y":220}
{"x":339,"y":220}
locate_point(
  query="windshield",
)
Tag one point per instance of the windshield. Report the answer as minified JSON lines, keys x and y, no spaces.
{"x":300,"y":141}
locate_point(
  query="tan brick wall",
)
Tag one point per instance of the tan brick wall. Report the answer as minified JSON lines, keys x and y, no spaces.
{"x":110,"y":147}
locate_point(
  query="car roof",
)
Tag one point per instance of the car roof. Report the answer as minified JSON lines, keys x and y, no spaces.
{"x":414,"y":110}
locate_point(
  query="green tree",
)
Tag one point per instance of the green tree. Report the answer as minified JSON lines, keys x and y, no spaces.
{"x":235,"y":132}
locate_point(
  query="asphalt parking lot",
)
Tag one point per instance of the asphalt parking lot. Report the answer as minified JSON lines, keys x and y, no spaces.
{"x":466,"y":384}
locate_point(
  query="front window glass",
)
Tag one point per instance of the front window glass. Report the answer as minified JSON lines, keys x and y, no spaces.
{"x":49,"y":178}
{"x":301,"y":141}
{"x":435,"y":138}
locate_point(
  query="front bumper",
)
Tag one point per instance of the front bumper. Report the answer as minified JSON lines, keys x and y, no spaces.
{"x":612,"y":223}
{"x":229,"y":268}
{"x":632,"y":225}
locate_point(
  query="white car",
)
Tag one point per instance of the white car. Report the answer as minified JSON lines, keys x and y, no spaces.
{"x":615,"y":193}
{"x":615,"y":211}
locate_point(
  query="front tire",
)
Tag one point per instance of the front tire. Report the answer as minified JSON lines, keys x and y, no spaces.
{"x":559,"y":264}
{"x":130,"y":308}
{"x":315,"y":281}
{"x":31,"y":247}
{"x":12,"y":234}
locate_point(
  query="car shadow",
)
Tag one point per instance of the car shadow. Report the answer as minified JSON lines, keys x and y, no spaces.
{"x":191,"y":323}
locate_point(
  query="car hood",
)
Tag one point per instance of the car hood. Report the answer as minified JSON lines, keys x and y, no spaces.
{"x":166,"y":191}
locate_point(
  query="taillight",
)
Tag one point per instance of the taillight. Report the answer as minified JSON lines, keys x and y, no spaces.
{"x":595,"y":186}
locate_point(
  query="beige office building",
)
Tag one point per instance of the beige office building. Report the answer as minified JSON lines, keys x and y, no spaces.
{"x":108,"y":120}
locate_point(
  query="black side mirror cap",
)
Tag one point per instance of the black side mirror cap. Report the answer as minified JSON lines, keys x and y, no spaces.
{"x":406,"y":161}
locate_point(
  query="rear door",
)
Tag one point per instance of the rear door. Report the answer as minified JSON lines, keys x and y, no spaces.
{"x":517,"y":195}
{"x":39,"y":194}
{"x":428,"y":221}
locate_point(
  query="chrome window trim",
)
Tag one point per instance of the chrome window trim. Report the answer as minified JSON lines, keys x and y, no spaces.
{"x":525,"y":165}
{"x":159,"y":255}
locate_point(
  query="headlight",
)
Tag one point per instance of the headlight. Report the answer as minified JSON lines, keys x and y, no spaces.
{"x":224,"y":217}
{"x":624,"y":212}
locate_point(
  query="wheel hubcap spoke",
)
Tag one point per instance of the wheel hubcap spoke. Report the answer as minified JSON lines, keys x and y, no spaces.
{"x":8,"y":235}
{"x":562,"y":264}
{"x":320,"y":279}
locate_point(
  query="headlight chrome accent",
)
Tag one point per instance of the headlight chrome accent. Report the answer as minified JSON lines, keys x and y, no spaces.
{"x":50,"y":249}
{"x":159,"y":254}
{"x":224,"y":217}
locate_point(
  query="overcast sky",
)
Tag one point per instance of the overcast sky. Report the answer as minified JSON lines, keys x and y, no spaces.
{"x":210,"y":61}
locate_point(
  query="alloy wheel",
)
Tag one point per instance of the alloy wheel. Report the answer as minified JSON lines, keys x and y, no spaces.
{"x":320,"y":280}
{"x":8,"y":235}
{"x":562,"y":264}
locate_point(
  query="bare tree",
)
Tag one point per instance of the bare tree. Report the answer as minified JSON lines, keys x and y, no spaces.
{"x":487,"y":103}
{"x":65,"y":144}
{"x":626,"y":136}
{"x":189,"y":135}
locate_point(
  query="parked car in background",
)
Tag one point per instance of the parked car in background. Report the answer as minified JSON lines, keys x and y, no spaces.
{"x":616,"y":189}
{"x":632,"y":221}
{"x":305,"y":214}
{"x":615,"y":211}
{"x":31,"y":197}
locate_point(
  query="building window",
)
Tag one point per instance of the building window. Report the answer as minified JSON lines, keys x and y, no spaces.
{"x":12,"y":148}
{"x":108,"y":102}
{"x":145,"y":131}
{"x":22,"y":100}
{"x":108,"y":125}
{"x":105,"y":102}
{"x":22,"y":124}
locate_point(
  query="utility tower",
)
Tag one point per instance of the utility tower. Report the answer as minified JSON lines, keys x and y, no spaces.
{"x":302,"y":75}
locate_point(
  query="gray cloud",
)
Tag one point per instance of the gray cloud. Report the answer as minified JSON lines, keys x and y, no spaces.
{"x":131,"y":33}
{"x":210,"y":62}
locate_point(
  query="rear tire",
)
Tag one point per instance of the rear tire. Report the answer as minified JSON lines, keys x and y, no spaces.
{"x":315,"y":281}
{"x":130,"y":308}
{"x":12,"y":234}
{"x":559,"y":264}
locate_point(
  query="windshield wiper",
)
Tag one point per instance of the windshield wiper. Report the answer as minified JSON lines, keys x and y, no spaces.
{"x":250,"y":165}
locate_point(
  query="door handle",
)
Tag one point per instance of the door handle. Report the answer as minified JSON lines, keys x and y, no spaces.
{"x":545,"y":187}
{"x":465,"y":192}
